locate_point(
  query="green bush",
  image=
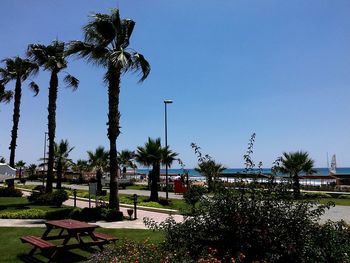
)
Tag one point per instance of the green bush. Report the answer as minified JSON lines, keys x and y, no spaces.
{"x":75,"y":213}
{"x":316,"y":195}
{"x":55,"y":198}
{"x":63,"y":213}
{"x":111,"y":215}
{"x":10,"y":192}
{"x":24,"y":214}
{"x":266,"y":225}
{"x":344,"y":196}
{"x":90,"y":214}
{"x":58,"y":197}
{"x":193,"y":195}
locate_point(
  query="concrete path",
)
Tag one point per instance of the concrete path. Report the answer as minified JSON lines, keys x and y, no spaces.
{"x":121,"y":191}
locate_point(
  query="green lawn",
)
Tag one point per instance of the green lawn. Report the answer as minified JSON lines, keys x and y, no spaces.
{"x":12,"y":250}
{"x":19,"y":207}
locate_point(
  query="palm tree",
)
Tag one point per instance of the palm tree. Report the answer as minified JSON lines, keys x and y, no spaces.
{"x":294,"y":163}
{"x":152,"y":154}
{"x":98,"y":161}
{"x":81,"y":166}
{"x":52,"y":59}
{"x":32,"y":170}
{"x":126,"y":159}
{"x":210,"y":170}
{"x":106,"y":44}
{"x":20,"y":165}
{"x":62,"y":151}
{"x":19,"y":70}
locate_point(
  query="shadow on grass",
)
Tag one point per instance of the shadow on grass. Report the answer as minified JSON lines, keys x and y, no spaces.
{"x":66,"y":257}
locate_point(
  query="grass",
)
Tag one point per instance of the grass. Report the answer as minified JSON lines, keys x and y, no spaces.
{"x":12,"y":250}
{"x":19,"y":207}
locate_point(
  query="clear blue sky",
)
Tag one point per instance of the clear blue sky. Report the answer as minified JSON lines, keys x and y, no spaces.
{"x":277,"y":68}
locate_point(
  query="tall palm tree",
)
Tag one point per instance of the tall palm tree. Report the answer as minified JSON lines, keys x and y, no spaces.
{"x":106,"y":44}
{"x":62,"y":151}
{"x":98,"y":161}
{"x":126,"y":160}
{"x":294,"y":163}
{"x":153,"y":154}
{"x":18,"y":70}
{"x":52,"y":58}
{"x":20,"y":165}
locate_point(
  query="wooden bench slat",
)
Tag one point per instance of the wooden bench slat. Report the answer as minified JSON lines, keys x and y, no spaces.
{"x":105,"y":236}
{"x":37,"y":242}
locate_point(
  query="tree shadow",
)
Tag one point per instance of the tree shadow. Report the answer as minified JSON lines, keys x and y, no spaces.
{"x":64,"y":257}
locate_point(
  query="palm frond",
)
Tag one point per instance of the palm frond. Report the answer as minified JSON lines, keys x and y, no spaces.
{"x":71,"y":81}
{"x":34,"y":87}
{"x":99,"y":30}
{"x":124,"y":34}
{"x":142,"y":65}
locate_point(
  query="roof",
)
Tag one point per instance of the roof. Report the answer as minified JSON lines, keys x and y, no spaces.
{"x":243,"y":175}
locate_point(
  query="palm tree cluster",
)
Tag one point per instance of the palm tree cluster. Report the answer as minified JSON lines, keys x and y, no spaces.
{"x":106,"y":44}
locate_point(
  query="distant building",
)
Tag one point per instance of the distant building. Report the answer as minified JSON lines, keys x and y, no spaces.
{"x":6,"y":172}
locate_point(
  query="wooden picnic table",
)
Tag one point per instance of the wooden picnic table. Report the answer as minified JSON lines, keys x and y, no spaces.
{"x":69,"y":229}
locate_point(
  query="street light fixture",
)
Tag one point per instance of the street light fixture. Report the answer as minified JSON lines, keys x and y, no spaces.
{"x":166,"y":146}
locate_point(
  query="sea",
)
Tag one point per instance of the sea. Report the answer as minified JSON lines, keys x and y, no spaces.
{"x":196,"y":175}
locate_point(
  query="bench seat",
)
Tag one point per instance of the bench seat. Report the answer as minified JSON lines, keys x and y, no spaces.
{"x":105,"y":237}
{"x":37,"y":242}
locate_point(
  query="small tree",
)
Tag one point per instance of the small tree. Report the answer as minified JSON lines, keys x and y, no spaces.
{"x":20,"y":165}
{"x":62,"y":151}
{"x":98,"y":161}
{"x":207,"y":167}
{"x":153,"y":154}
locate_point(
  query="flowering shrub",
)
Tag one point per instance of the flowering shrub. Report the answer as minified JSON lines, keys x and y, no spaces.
{"x":130,"y":251}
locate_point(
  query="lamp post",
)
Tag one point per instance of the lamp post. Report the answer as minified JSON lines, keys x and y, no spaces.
{"x":46,"y":133}
{"x":166,"y":145}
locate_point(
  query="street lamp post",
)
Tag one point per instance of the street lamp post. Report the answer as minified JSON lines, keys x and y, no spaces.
{"x":46,"y":133}
{"x":166,"y":145}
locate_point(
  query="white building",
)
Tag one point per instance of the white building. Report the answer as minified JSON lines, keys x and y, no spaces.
{"x":6,"y":172}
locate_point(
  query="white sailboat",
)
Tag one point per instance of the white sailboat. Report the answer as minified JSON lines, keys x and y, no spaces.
{"x":333,"y":167}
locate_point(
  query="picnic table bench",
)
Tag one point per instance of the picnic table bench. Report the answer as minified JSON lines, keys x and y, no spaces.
{"x":37,"y":242}
{"x":69,"y":229}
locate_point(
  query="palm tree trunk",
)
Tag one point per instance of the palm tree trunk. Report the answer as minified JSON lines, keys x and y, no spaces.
{"x":98,"y":179}
{"x":113,"y":132}
{"x":51,"y":128}
{"x":16,"y":115}
{"x":59,"y":175}
{"x":296,"y":186}
{"x":154,"y":184}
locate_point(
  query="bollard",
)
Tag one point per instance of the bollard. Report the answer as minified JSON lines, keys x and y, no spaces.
{"x":75,"y":197}
{"x":135,"y":202}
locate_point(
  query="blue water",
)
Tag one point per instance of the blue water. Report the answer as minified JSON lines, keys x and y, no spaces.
{"x":194,"y":173}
